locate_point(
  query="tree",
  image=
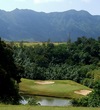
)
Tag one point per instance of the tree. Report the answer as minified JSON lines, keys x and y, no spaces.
{"x":9,"y":77}
{"x":94,"y":97}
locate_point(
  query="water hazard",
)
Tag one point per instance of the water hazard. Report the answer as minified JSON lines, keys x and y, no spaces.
{"x":48,"y":101}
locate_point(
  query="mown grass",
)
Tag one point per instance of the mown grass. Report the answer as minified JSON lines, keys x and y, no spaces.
{"x":61,"y":88}
{"x":26,"y":107}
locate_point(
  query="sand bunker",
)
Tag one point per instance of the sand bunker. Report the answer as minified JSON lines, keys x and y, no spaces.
{"x":44,"y":82}
{"x":83,"y":92}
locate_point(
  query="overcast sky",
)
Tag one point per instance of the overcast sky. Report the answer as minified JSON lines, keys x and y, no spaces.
{"x":92,"y":6}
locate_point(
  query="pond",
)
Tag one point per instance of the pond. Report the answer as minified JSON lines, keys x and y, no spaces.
{"x":48,"y":101}
{"x":51,"y":101}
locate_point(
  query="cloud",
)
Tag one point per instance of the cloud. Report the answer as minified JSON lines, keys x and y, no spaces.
{"x":20,"y":0}
{"x":45,"y":1}
{"x":86,"y":1}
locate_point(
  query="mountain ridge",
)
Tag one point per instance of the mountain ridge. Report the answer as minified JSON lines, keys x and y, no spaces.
{"x":29,"y":25}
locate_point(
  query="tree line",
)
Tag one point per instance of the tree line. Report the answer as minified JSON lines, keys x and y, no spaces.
{"x":70,"y":60}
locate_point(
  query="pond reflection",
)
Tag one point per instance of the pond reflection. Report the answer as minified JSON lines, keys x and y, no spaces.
{"x":50,"y":101}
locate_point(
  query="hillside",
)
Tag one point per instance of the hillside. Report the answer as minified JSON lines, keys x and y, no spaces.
{"x":39,"y":26}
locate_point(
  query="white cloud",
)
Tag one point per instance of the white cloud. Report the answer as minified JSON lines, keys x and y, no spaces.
{"x":45,"y":1}
{"x":86,"y":1}
{"x":20,"y":0}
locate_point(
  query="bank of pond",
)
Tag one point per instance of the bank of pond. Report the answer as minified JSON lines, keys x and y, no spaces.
{"x":45,"y":101}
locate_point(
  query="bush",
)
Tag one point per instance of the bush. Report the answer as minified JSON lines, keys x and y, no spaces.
{"x":92,"y":100}
{"x":32,"y":101}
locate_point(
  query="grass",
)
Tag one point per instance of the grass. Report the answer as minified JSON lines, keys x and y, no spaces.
{"x":61,"y":88}
{"x":32,"y":44}
{"x":40,"y":43}
{"x":26,"y":107}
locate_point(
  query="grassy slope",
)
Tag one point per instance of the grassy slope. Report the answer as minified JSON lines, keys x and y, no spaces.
{"x":26,"y":107}
{"x":61,"y":88}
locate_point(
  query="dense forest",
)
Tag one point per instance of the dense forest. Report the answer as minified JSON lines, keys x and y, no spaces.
{"x":75,"y":61}
{"x":78,"y":61}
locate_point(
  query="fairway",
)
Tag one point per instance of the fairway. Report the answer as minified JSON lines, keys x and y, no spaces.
{"x":56,"y":88}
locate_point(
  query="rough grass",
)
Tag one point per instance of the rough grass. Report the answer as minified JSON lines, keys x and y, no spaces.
{"x":32,"y":44}
{"x":26,"y":107}
{"x":40,"y":43}
{"x":61,"y":88}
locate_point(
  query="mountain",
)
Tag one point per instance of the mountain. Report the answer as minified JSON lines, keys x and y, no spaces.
{"x":29,"y":25}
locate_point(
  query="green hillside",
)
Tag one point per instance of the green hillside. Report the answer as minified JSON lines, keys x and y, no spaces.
{"x":29,"y":25}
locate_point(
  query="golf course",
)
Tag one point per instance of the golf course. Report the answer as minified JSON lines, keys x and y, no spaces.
{"x":53,"y":88}
{"x":50,"y":88}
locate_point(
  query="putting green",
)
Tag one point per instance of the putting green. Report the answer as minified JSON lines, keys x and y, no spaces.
{"x":55,"y":88}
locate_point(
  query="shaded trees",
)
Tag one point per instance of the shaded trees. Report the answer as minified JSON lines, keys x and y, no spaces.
{"x":9,"y":77}
{"x":63,"y":61}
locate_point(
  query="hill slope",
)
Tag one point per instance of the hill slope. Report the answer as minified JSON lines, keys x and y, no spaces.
{"x":39,"y":26}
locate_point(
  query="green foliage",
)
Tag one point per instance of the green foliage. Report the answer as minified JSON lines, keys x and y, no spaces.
{"x":70,"y":60}
{"x":9,"y":77}
{"x":88,"y":82}
{"x":32,"y":101}
{"x":77,"y":61}
{"x":92,"y":100}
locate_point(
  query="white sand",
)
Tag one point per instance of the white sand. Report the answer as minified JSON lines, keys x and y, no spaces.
{"x":83,"y":92}
{"x":44,"y":82}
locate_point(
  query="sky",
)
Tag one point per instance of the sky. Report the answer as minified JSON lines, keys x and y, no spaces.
{"x":92,"y":6}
